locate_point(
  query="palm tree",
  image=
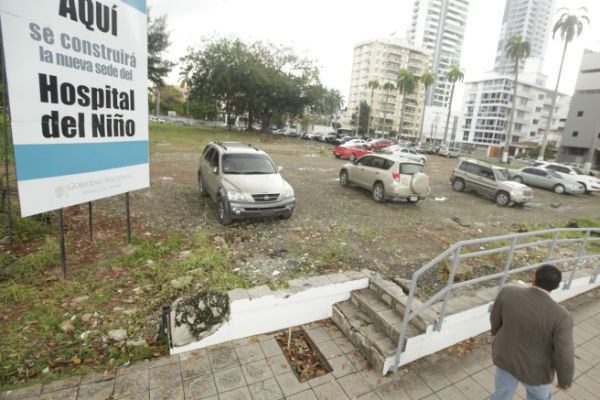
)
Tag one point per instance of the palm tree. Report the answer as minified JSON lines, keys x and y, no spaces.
{"x":374,"y":84}
{"x":387,"y":87}
{"x":454,"y":75}
{"x":184,"y":82}
{"x":570,"y":26}
{"x":516,"y":49}
{"x":406,"y":83}
{"x":427,"y":79}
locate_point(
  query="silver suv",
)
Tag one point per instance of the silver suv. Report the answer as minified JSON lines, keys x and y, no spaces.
{"x":489,"y":180}
{"x":244,"y":182}
{"x":388,"y":177}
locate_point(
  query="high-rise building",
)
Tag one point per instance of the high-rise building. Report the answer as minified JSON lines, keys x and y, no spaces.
{"x":380,"y":60}
{"x":582,"y":130}
{"x":530,"y":19}
{"x":438,"y":26}
{"x":487,"y":104}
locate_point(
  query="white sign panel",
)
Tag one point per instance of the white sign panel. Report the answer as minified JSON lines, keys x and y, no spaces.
{"x":77,"y":83}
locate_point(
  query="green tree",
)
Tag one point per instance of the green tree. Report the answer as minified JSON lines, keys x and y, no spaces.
{"x":387,"y":88}
{"x":184,"y":82}
{"x":516,"y":49}
{"x":374,"y":84}
{"x":158,"y":42}
{"x":454,"y":75}
{"x":569,"y":26}
{"x":360,"y":118}
{"x":406,"y":83}
{"x":427,"y":79}
{"x":258,"y":79}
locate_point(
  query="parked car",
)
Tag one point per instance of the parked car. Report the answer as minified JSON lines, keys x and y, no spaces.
{"x":448,"y":152}
{"x":405,"y":152}
{"x":379,"y":144}
{"x":350,"y":152}
{"x":356,"y":142}
{"x":545,"y":179}
{"x":574,"y":174}
{"x":489,"y":180}
{"x":343,"y":139}
{"x":244,"y":182}
{"x":388,"y":177}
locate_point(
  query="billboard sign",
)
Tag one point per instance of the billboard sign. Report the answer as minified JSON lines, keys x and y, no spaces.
{"x":77,"y":84}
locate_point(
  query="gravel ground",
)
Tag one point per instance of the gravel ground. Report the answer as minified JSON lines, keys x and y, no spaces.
{"x":335,"y":227}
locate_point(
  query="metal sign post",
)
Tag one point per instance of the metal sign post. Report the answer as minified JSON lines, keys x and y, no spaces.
{"x":128,"y":218}
{"x":63,"y":263}
{"x":5,"y":129}
{"x":90,"y":219}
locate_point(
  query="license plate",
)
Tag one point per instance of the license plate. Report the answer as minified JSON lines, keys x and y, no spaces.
{"x":414,"y":198}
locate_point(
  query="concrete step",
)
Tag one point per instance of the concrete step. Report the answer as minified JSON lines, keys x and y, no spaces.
{"x":385,"y":318}
{"x":363,"y":333}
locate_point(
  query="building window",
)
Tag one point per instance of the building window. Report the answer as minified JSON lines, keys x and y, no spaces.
{"x":538,"y":109}
{"x":540,"y":97}
{"x":535,"y":121}
{"x":580,"y":113}
{"x":575,"y":133}
{"x":531,"y":134}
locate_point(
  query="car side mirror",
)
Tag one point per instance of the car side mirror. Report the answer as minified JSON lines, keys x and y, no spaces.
{"x":279,"y":168}
{"x":215,"y":170}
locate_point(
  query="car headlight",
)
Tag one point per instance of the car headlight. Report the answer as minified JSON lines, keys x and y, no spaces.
{"x":287,"y":193}
{"x":235,"y":196}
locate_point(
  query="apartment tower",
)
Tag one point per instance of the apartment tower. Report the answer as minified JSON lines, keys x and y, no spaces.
{"x":438,"y":26}
{"x":380,"y":60}
{"x":530,"y":19}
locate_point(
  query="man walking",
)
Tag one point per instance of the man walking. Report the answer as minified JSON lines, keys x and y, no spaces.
{"x":533,"y":338}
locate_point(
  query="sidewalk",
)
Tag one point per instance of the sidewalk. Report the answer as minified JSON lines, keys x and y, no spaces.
{"x":256,"y":369}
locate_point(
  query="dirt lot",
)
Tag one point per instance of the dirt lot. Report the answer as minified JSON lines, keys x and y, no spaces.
{"x":334,"y":227}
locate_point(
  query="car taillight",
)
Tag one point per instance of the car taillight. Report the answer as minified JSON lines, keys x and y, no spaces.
{"x":396,"y":176}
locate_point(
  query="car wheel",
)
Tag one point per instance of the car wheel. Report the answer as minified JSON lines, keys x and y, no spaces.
{"x":352,"y":156}
{"x":223,"y":212}
{"x":558,"y":188}
{"x":458,"y":184}
{"x":585,"y":189}
{"x":518,"y":179}
{"x":202,"y":189}
{"x":378,"y":192}
{"x":337,"y":156}
{"x":502,"y":198}
{"x":287,"y":216}
{"x":422,"y":161}
{"x":344,"y":178}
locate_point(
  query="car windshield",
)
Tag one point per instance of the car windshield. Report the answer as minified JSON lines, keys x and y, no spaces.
{"x":247,"y":164}
{"x":410,"y":169}
{"x":502,"y":174}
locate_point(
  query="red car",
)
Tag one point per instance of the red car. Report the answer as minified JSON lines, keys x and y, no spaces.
{"x":350,"y":152}
{"x":380,"y":144}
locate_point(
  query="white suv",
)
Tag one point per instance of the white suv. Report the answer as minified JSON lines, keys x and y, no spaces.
{"x":244,"y":182}
{"x":388,"y":177}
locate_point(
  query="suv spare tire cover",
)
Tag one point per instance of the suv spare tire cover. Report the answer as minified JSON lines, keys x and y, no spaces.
{"x":419,"y":183}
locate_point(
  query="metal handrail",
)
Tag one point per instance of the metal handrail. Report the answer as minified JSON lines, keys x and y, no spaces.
{"x":455,"y":255}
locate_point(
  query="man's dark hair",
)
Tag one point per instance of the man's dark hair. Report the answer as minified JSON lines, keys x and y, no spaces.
{"x":547,"y":277}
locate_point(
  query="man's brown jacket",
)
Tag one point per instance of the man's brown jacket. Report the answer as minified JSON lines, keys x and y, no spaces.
{"x":533,"y":336}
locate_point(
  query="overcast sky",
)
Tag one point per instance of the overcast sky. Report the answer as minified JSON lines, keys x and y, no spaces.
{"x":326,"y":31}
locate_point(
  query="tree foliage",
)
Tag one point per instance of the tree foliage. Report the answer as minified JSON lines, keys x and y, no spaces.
{"x":516,"y":49}
{"x":260,"y":80}
{"x":158,"y":42}
{"x":456,"y":74}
